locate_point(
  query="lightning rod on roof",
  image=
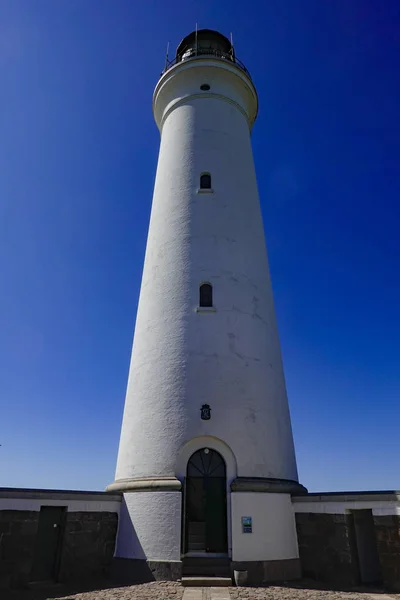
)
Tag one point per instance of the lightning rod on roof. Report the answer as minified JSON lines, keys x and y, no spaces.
{"x":166,"y":57}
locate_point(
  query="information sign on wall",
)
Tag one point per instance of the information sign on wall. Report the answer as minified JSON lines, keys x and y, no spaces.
{"x":247,"y":525}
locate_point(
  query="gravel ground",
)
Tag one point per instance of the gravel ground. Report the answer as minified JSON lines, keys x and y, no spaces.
{"x":167,"y":590}
{"x":289,"y":593}
{"x":158,"y":590}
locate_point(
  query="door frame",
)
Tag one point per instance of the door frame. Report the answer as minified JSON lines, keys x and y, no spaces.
{"x":214,"y":443}
{"x":185,"y":529}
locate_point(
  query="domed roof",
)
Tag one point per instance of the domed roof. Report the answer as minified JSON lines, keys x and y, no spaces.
{"x":204,"y":37}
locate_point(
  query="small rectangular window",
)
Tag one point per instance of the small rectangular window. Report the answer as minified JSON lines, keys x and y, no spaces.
{"x":206,"y":295}
{"x":205,"y":181}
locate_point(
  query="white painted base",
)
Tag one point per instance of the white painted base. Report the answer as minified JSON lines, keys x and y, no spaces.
{"x":150,"y":526}
{"x":274,"y":534}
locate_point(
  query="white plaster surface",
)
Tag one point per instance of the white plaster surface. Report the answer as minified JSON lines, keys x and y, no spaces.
{"x":379,"y":507}
{"x":274,"y":529}
{"x":231,"y":358}
{"x":181,"y":84}
{"x":72,"y":505}
{"x":150,"y":526}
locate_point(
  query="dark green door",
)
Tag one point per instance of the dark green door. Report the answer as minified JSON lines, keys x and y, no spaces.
{"x":48,"y":543}
{"x":215,"y":508}
{"x":205,"y":503}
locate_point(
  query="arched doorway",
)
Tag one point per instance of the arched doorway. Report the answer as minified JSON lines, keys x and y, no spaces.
{"x":205,"y":515}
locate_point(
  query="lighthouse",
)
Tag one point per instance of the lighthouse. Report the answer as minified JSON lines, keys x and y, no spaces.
{"x":206,"y":460}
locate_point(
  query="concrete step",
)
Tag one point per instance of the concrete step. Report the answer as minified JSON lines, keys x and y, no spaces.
{"x":206,"y":571}
{"x":220,"y":560}
{"x":205,"y":561}
{"x":206,"y":581}
{"x":207,"y":567}
{"x":217,"y":560}
{"x":193,"y":594}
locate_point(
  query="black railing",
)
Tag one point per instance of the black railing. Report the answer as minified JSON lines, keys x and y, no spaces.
{"x":192,"y":52}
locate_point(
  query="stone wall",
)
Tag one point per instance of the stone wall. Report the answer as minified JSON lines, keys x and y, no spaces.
{"x":88,"y":544}
{"x":325,"y":548}
{"x":328,"y":551}
{"x":17,"y":542}
{"x":387,"y":530}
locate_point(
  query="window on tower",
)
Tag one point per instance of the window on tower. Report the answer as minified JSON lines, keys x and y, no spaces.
{"x":205,"y":181}
{"x":206,"y":295}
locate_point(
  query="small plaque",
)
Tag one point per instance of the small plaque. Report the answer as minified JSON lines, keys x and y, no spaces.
{"x":205,"y":412}
{"x":247,"y":525}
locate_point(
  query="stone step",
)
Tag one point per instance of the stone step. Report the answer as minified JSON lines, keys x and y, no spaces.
{"x":218,"y":593}
{"x":206,"y":581}
{"x":207,"y":567}
{"x":207,"y":571}
{"x":193,"y":594}
{"x":221,"y":560}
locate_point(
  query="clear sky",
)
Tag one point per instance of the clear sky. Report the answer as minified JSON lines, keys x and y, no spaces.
{"x":78,"y":153}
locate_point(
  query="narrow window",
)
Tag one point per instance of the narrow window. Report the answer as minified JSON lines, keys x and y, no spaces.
{"x":205,"y":181}
{"x":206,"y":295}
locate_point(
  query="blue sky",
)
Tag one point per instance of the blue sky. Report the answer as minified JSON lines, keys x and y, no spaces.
{"x":78,"y":155}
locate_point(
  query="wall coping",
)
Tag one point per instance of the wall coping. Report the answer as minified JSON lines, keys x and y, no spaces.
{"x":267,"y":485}
{"x":43,"y":494}
{"x":146,"y":484}
{"x":367,"y":496}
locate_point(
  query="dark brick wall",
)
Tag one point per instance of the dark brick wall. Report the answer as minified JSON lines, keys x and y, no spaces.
{"x":325,"y":548}
{"x":387,"y":530}
{"x":17,"y":542}
{"x":87,"y":545}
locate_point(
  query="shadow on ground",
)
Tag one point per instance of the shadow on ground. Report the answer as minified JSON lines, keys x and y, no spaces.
{"x":47,"y":591}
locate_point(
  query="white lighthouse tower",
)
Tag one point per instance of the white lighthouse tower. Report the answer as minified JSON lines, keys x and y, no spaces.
{"x":206,"y":458}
